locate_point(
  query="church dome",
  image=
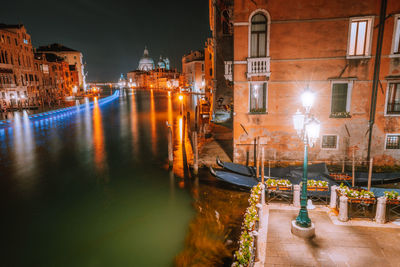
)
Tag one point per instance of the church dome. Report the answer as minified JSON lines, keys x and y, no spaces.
{"x":146,"y":63}
{"x":161,"y":63}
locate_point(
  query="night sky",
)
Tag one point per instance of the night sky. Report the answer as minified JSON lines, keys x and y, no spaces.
{"x":112,"y":34}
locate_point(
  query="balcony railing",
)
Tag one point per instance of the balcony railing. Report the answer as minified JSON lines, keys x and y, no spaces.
{"x":258,"y":66}
{"x":8,"y":86}
{"x":228,"y":70}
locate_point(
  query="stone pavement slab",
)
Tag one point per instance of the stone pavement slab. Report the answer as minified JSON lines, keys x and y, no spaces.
{"x":333,"y":245}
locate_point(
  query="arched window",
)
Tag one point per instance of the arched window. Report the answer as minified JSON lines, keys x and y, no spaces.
{"x":258,"y":40}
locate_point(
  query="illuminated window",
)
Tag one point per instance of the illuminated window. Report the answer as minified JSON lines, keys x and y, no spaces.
{"x":392,"y":141}
{"x":329,"y":141}
{"x":258,"y":42}
{"x":393,"y":99}
{"x":340,"y":101}
{"x":396,"y":35}
{"x":360,"y":37}
{"x":258,"y":97}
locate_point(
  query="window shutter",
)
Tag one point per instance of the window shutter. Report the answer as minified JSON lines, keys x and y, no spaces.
{"x":339,"y":97}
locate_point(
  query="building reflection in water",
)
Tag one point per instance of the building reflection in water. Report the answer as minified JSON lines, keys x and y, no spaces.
{"x":98,"y":138}
{"x":134,"y":125}
{"x":170,"y":111}
{"x":24,"y":152}
{"x":153,"y":124}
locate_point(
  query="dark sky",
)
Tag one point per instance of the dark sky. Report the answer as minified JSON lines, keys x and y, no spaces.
{"x":112,"y":34}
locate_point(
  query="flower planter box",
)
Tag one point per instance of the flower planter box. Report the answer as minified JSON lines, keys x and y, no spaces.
{"x":284,"y":188}
{"x":322,"y":189}
{"x":392,"y":201}
{"x":271,"y":187}
{"x":341,"y":177}
{"x":362,"y":200}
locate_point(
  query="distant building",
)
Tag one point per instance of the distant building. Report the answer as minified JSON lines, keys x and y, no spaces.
{"x":71,"y":56}
{"x":147,"y":75}
{"x":193,"y":71}
{"x":17,"y":84}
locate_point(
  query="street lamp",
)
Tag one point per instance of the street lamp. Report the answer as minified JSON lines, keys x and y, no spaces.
{"x":307,"y":127}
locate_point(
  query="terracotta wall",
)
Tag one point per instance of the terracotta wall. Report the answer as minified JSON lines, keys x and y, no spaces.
{"x":308,"y":47}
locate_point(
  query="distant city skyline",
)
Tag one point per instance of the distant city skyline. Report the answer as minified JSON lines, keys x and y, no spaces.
{"x":112,"y":35}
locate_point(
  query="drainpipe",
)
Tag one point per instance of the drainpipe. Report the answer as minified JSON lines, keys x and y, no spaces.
{"x":375,"y":82}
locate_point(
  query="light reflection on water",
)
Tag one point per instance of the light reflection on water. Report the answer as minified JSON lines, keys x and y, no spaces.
{"x":58,"y":214}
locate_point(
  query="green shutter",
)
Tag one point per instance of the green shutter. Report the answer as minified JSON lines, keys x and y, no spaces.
{"x":339,"y":97}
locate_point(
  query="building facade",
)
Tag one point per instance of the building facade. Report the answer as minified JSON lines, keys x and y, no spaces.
{"x":71,"y":56}
{"x":151,"y":76}
{"x":17,"y":85}
{"x":330,"y":47}
{"x":221,"y":25}
{"x":193,"y":71}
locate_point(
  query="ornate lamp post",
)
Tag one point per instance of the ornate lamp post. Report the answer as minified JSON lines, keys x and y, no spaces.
{"x":307,"y":128}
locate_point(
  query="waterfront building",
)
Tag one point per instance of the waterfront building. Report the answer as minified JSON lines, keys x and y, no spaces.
{"x":71,"y":56}
{"x":330,"y":47}
{"x":53,"y":78}
{"x":193,"y":71}
{"x":147,"y":75}
{"x":220,"y":51}
{"x":16,"y":66}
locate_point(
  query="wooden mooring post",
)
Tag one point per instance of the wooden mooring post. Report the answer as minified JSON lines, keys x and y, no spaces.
{"x":371,"y":162}
{"x":353,"y":171}
{"x":188,"y":123}
{"x":195,"y":154}
{"x":170,"y":148}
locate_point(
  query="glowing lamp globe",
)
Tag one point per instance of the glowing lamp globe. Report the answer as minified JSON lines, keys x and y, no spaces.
{"x":307,"y":98}
{"x":312,"y":130}
{"x":298,"y":121}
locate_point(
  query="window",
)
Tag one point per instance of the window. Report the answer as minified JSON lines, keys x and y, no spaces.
{"x":258,"y":42}
{"x":396,"y":35}
{"x":329,"y":141}
{"x":392,"y":141}
{"x":360,"y":37}
{"x":340,"y":104}
{"x":393,"y":99}
{"x":258,"y":97}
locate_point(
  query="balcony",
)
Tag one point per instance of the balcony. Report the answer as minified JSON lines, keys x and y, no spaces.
{"x":228,"y":70}
{"x":8,"y":86}
{"x":259,"y":66}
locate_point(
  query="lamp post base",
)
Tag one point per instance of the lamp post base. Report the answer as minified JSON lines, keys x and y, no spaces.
{"x":303,"y":232}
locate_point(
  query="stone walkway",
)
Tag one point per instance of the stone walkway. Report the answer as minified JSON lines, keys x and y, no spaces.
{"x":220,"y":144}
{"x":334,"y":245}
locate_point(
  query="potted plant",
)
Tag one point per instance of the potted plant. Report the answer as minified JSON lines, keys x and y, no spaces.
{"x":284,"y":184}
{"x":356,"y":195}
{"x":271,"y":184}
{"x":322,"y":185}
{"x":392,"y":197}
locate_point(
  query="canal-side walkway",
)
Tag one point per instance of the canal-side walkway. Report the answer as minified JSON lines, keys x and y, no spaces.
{"x":218,"y":145}
{"x":335,"y":244}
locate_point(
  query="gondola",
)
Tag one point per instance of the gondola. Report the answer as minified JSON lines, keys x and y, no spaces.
{"x":315,"y":171}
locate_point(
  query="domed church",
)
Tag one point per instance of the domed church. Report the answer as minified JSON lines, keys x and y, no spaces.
{"x":146,"y":63}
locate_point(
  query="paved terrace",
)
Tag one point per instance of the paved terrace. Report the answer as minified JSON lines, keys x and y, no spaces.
{"x":356,"y":243}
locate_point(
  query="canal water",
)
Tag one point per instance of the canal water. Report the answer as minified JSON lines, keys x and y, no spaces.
{"x":93,"y":189}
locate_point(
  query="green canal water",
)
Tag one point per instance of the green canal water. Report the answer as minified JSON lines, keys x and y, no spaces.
{"x":93,"y":189}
